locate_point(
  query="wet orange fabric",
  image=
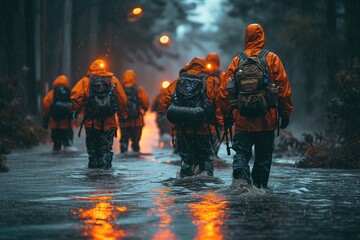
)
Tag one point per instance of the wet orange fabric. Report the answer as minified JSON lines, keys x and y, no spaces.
{"x":128,"y":80}
{"x":81,"y":91}
{"x":47,"y":101}
{"x":254,"y":42}
{"x":214,"y":68}
{"x":195,"y":67}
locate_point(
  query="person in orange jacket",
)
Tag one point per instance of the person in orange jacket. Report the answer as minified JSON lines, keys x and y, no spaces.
{"x":193,"y":139}
{"x":212,"y":62}
{"x":138,"y":103}
{"x":258,"y":131}
{"x":163,"y":125}
{"x":56,"y":113}
{"x":100,"y":95}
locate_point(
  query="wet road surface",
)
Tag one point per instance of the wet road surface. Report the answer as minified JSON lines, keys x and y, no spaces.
{"x":55,"y":196}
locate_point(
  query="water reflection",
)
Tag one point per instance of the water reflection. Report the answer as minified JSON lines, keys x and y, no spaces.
{"x":163,"y":206}
{"x":208,"y":214}
{"x":100,"y":220}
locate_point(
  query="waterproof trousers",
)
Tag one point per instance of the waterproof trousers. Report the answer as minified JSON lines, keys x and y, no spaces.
{"x":133,"y":134}
{"x":99,"y":147}
{"x":264,"y":146}
{"x":61,"y":137}
{"x":195,"y":150}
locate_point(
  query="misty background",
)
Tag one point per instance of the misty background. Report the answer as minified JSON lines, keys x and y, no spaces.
{"x":42,"y":39}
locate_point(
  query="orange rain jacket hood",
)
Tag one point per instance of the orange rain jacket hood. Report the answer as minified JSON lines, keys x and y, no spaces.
{"x":195,"y":67}
{"x":214,"y":60}
{"x":47,"y":101}
{"x":81,"y":91}
{"x":129,"y":80}
{"x":254,"y":42}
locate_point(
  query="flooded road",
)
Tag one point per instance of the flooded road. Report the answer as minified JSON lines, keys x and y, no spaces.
{"x":55,"y":196}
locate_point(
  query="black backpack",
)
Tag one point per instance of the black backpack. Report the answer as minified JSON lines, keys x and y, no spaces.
{"x":102,"y":101}
{"x":255,"y":93}
{"x":190,"y":102}
{"x":132,"y":101}
{"x":60,"y":108}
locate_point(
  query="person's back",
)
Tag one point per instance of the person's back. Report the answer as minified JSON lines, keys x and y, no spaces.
{"x":100,"y":96}
{"x":56,"y":113}
{"x":189,"y":103}
{"x":138,"y":103}
{"x":253,"y":127}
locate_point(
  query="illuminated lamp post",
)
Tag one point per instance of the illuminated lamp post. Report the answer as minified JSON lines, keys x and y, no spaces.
{"x":135,"y":14}
{"x":164,"y":40}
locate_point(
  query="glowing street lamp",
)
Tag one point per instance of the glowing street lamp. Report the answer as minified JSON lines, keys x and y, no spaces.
{"x":137,"y":11}
{"x":135,"y":14}
{"x":164,"y":40}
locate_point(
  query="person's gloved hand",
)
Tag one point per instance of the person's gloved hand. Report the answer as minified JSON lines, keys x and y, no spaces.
{"x":45,"y":123}
{"x":75,"y":116}
{"x":284,"y":122}
{"x":228,"y":122}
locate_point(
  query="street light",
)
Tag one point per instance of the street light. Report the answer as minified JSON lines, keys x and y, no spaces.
{"x":135,"y":14}
{"x":164,"y":40}
{"x":137,"y":11}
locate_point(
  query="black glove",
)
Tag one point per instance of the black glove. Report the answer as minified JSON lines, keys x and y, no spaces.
{"x":284,"y":122}
{"x":45,"y":123}
{"x":228,"y":122}
{"x":75,"y":116}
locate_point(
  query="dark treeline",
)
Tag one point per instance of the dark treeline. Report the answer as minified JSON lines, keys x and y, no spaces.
{"x":46,"y":38}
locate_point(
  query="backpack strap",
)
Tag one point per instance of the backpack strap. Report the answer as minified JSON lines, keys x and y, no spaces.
{"x":243,"y":56}
{"x":262,"y":56}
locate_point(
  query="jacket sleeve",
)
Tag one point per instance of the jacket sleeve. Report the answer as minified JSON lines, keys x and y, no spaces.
{"x":281,"y":80}
{"x":46,"y":104}
{"x":122,"y":99}
{"x":78,"y":95}
{"x":223,"y":94}
{"x":143,"y":97}
{"x":166,"y":97}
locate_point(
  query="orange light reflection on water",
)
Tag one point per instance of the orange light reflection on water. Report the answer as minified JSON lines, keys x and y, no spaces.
{"x":101,"y":219}
{"x":164,"y":204}
{"x":208,"y":215}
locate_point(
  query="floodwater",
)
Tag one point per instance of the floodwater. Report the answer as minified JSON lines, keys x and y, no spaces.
{"x":55,"y":196}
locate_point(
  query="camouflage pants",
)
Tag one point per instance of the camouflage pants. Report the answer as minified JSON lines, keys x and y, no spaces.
{"x":133,"y":134}
{"x":264,"y":146}
{"x":61,"y":137}
{"x":99,"y":147}
{"x":195,"y":150}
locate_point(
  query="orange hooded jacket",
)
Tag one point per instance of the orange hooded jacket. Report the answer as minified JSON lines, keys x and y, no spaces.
{"x":212,"y":62}
{"x":254,"y":42}
{"x":195,"y":67}
{"x":81,"y":91}
{"x":128,"y":80}
{"x":47,"y":101}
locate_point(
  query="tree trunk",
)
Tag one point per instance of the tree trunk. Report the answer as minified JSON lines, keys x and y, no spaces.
{"x":331,"y":55}
{"x":31,"y":13}
{"x":67,"y":36}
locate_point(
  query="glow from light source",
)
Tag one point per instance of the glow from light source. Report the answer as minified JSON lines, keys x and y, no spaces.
{"x":164,"y":39}
{"x":137,"y":11}
{"x":165,"y":84}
